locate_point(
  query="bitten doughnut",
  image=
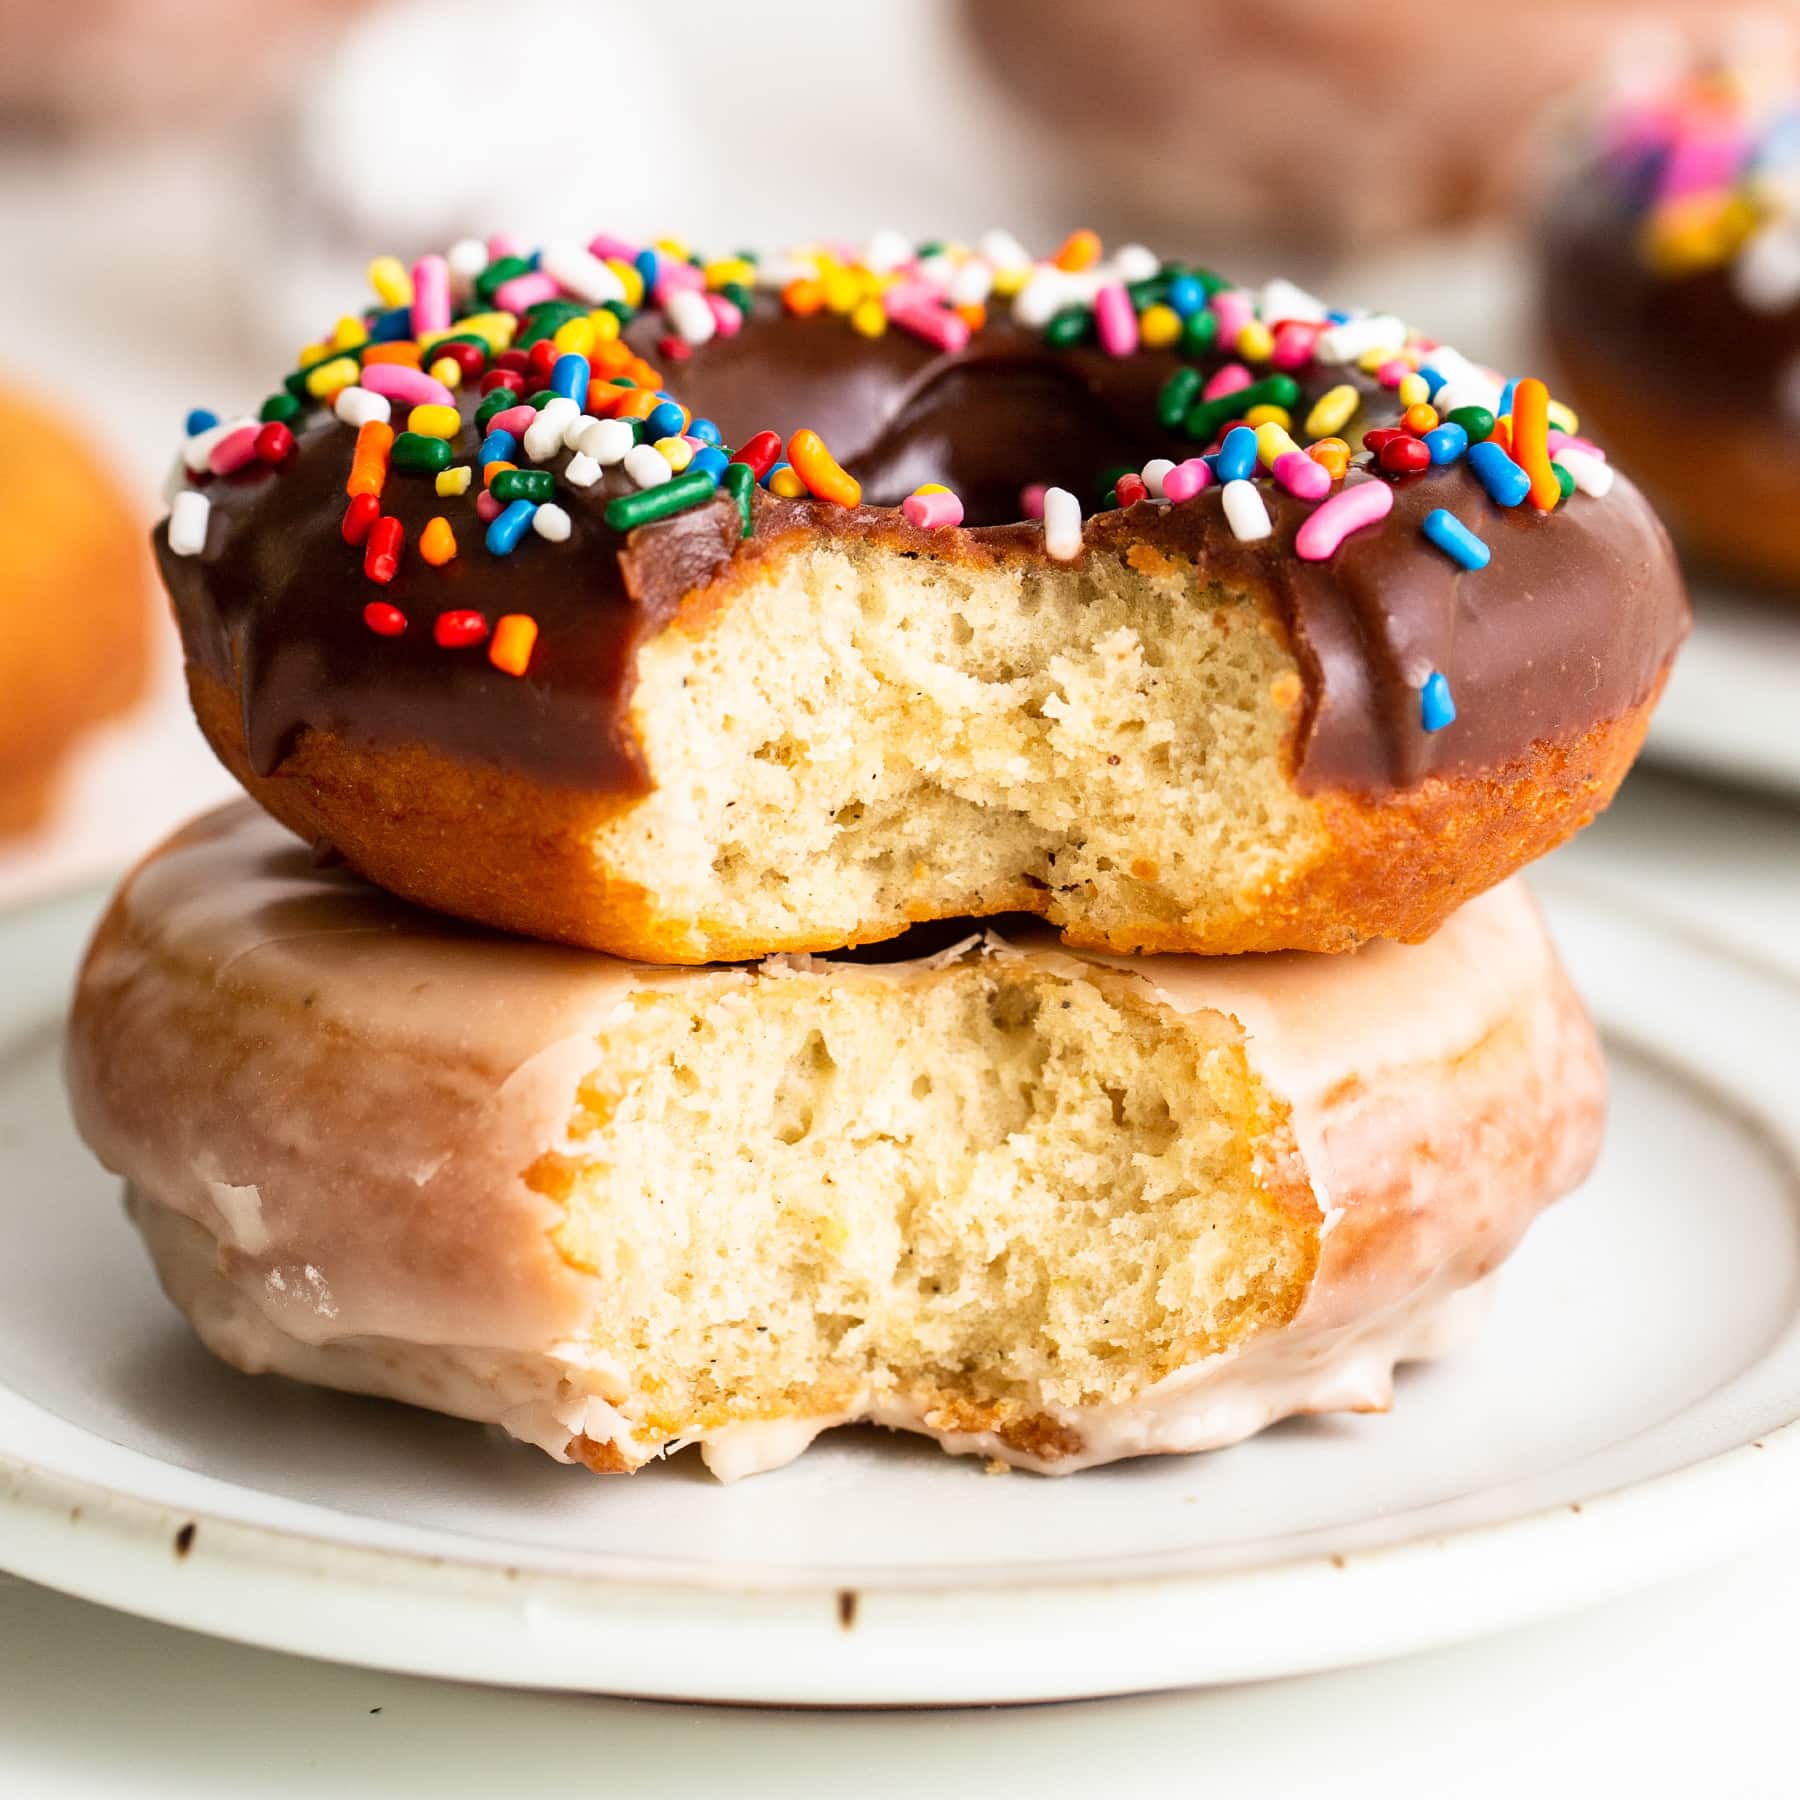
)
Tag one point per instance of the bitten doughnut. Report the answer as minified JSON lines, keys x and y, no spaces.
{"x":1671,"y":301}
{"x":783,"y":664}
{"x":1057,"y":1208}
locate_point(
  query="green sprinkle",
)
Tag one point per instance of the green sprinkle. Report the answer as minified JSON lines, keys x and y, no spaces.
{"x":296,"y":384}
{"x":279,"y":408}
{"x":545,"y":320}
{"x":519,"y":484}
{"x":1178,"y":394}
{"x":739,"y":296}
{"x":649,"y":504}
{"x":739,"y":483}
{"x":619,"y":310}
{"x":930,"y":247}
{"x":1477,"y":421}
{"x":1204,"y":420}
{"x":418,"y":454}
{"x":1106,"y":488}
{"x":542,"y":398}
{"x":1147,"y":293}
{"x":496,"y":402}
{"x":1198,"y":331}
{"x":1564,"y":479}
{"x":1069,"y":327}
{"x":495,"y":276}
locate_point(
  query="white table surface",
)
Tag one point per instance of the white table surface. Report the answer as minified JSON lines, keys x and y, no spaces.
{"x":1687,"y":1688}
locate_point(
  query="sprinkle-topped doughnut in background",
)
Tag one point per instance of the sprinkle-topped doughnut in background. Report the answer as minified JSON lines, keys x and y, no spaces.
{"x":461,"y":518}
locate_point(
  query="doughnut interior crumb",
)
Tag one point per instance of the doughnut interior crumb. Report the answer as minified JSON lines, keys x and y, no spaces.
{"x":985,"y":1189}
{"x":868,"y":737}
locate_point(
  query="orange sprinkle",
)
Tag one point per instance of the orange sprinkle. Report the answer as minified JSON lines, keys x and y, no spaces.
{"x":973,"y":314}
{"x":1419,"y":418}
{"x":404,"y":353}
{"x":514,"y":639}
{"x":496,"y":467}
{"x":1080,"y":250}
{"x":803,"y":296}
{"x":819,"y":469}
{"x":1502,"y":432}
{"x":610,"y":357}
{"x":1530,"y":441}
{"x":1332,"y":454}
{"x":639,"y":403}
{"x":642,"y":373}
{"x":369,"y":461}
{"x":437,"y":542}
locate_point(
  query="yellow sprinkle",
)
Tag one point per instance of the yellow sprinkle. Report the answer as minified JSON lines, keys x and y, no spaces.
{"x":392,"y":285}
{"x":312,"y":353}
{"x":673,"y":247}
{"x":677,"y":452}
{"x":1563,"y":418}
{"x":1259,"y":416}
{"x":1272,"y":441}
{"x":842,"y":291}
{"x":453,"y":482}
{"x":1371,"y":360}
{"x":328,"y":378}
{"x":1332,"y":411}
{"x":437,"y":542}
{"x":729,"y":269}
{"x":432,"y":420}
{"x":447,"y":370}
{"x":870,"y":318}
{"x":1256,"y":342}
{"x":787,"y":484}
{"x":629,"y":278}
{"x":1414,"y":390}
{"x":931,"y":487}
{"x":1008,"y":282}
{"x":604,"y":324}
{"x":1159,"y":326}
{"x":349,"y":334}
{"x":574,"y":337}
{"x":495,"y":329}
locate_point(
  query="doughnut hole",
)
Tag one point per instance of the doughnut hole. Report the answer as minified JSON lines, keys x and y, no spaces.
{"x":870,"y":738}
{"x":985,"y":1189}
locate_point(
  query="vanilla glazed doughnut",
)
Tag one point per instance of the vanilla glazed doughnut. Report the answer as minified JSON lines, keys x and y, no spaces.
{"x":807,"y":711}
{"x":1056,"y":1207}
{"x":1670,"y":297}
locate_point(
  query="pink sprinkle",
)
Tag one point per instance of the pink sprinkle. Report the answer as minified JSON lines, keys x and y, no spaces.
{"x":233,"y":450}
{"x":1115,"y":320}
{"x":1031,"y":499}
{"x":1186,"y":479}
{"x":904,"y":295}
{"x":932,"y":512}
{"x":431,"y":296}
{"x":503,"y":243}
{"x":525,"y":290}
{"x":945,"y":330}
{"x":516,"y":419}
{"x":412,"y":387}
{"x":1346,"y":511}
{"x":1561,"y":440}
{"x":1232,"y":308}
{"x":1293,"y":345}
{"x":1226,"y":380}
{"x":1301,"y":476}
{"x":671,"y":277}
{"x":612,"y":249}
{"x":727,"y":315}
{"x":487,"y":507}
{"x":1394,"y":371}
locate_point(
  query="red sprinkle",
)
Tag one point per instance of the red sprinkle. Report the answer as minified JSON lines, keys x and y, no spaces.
{"x":515,"y":360}
{"x":674,"y":349}
{"x":381,"y":554}
{"x":455,"y":629}
{"x":384,"y":618}
{"x":359,"y":515}
{"x":1403,"y":454}
{"x":467,"y":357}
{"x":543,"y":355}
{"x":510,"y":379}
{"x":758,"y":454}
{"x":1381,"y":434}
{"x":1128,"y":490}
{"x":274,"y":443}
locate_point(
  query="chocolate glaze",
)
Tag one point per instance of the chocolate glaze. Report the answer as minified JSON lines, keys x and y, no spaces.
{"x":1570,"y":623}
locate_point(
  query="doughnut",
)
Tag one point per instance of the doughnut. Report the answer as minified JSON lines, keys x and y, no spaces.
{"x":1226,"y":693}
{"x":1670,"y":299}
{"x":74,"y":605}
{"x":1048,"y":1206}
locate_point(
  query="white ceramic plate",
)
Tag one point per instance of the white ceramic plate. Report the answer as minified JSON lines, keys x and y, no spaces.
{"x":1628,"y":1414}
{"x":1733,"y":703}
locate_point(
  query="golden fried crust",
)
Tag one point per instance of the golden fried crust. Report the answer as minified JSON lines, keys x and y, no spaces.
{"x":488,"y":844}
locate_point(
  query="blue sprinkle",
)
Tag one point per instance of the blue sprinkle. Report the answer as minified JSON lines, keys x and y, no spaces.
{"x":1237,"y":455}
{"x":1436,"y":708}
{"x":662,"y":421}
{"x":1506,"y":483}
{"x":1446,"y":442}
{"x":569,"y":376}
{"x":772,"y":471}
{"x":497,"y":446}
{"x":508,"y":527}
{"x":645,"y":264}
{"x":706,"y":431}
{"x":1506,"y":397}
{"x":1458,"y":543}
{"x":711,"y":461}
{"x":390,"y":326}
{"x":1187,"y":295}
{"x":534,"y":259}
{"x":199,"y":420}
{"x":1338,"y":316}
{"x":1434,"y":377}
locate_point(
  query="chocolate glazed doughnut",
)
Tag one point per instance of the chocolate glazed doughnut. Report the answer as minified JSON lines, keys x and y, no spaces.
{"x":805,"y":724}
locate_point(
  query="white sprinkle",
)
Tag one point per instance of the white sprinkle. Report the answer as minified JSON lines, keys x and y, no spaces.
{"x":1357,"y":337}
{"x":576,"y":426}
{"x":1767,"y":271}
{"x":550,"y":521}
{"x":1135,"y":262}
{"x":778,"y":271}
{"x":578,"y":271}
{"x":196,"y":453}
{"x":544,"y":435}
{"x":582,"y":471}
{"x":691,"y":317}
{"x":187,"y":522}
{"x":1589,"y":473}
{"x":647,"y":466}
{"x":1002,"y":250}
{"x":607,"y":441}
{"x":937,"y":270}
{"x":1284,"y":300}
{"x":1062,"y":524}
{"x":1153,"y":474}
{"x":886,"y":250}
{"x":358,"y":407}
{"x":1041,"y":298}
{"x":971,"y":284}
{"x":1245,"y":512}
{"x":467,"y":258}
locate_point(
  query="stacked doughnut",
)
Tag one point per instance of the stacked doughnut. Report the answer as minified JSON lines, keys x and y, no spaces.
{"x":626,"y":637}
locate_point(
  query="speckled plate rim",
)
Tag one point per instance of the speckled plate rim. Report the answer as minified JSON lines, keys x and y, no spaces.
{"x":848,"y":1639}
